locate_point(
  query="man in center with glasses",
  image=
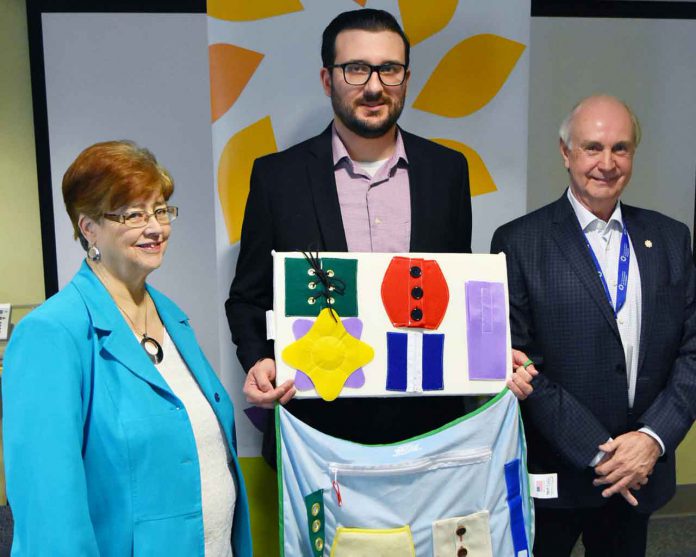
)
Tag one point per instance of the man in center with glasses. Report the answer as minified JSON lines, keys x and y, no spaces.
{"x":363,"y":185}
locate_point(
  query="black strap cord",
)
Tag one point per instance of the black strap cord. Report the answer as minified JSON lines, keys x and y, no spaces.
{"x":328,"y":284}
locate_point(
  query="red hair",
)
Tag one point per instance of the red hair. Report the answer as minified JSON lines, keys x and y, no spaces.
{"x":110,"y":175}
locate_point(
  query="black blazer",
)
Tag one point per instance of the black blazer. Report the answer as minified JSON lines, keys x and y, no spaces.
{"x":293,"y":205}
{"x":560,"y":316}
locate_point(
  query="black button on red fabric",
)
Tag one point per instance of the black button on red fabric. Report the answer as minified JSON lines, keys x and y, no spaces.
{"x":217,"y":397}
{"x":407,"y":284}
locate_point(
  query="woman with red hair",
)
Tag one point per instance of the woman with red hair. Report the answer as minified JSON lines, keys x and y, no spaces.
{"x":119,"y":437}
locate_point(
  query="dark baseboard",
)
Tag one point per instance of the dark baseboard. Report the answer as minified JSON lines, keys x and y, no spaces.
{"x":682,"y":504}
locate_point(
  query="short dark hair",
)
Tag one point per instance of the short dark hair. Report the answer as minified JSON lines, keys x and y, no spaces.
{"x":365,"y":19}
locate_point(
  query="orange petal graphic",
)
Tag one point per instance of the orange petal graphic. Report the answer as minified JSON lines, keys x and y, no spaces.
{"x":469,"y":76}
{"x":231,"y":68}
{"x":234,"y":171}
{"x":248,"y":10}
{"x":480,"y":180}
{"x":361,"y":2}
{"x":423,"y":19}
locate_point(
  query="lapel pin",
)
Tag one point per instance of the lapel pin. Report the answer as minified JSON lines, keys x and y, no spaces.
{"x":648,"y":244}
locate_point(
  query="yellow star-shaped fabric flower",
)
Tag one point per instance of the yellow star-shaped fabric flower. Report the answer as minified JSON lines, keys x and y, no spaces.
{"x":328,"y":354}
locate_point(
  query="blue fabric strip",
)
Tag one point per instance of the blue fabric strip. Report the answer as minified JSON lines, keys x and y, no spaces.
{"x":433,"y":345}
{"x":397,"y":344}
{"x":514,"y":501}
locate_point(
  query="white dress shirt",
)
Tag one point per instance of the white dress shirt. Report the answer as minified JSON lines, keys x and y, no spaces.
{"x":605,"y":240}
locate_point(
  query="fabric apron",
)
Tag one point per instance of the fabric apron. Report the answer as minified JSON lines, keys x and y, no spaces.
{"x":464,"y":485}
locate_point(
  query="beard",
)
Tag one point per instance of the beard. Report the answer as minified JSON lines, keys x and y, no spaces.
{"x":368,"y":128}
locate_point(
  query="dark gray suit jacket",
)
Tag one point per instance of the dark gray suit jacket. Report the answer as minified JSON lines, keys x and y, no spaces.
{"x":293,"y":205}
{"x":560,"y":316}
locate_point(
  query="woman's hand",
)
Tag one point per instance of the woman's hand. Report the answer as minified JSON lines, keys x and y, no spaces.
{"x":523,"y":371}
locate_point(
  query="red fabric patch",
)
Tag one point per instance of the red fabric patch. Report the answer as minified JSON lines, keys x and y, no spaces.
{"x":415,"y":293}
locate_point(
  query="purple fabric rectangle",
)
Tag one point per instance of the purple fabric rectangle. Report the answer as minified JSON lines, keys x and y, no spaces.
{"x":486,"y":329}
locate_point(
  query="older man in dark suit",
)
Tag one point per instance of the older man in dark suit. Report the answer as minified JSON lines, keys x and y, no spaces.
{"x":602,"y":299}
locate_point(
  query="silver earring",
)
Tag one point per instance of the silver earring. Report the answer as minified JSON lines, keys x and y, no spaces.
{"x":93,"y":253}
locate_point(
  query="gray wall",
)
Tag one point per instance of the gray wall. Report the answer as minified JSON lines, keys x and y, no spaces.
{"x":651,"y":64}
{"x":142,"y":77}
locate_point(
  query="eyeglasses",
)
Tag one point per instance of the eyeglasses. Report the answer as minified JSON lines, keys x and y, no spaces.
{"x":359,"y":73}
{"x":138,"y":219}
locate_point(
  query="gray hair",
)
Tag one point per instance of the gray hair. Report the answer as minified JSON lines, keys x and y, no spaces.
{"x":564,"y":131}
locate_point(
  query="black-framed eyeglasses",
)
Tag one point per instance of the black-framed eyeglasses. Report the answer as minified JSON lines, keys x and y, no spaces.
{"x":359,"y":73}
{"x":138,"y":219}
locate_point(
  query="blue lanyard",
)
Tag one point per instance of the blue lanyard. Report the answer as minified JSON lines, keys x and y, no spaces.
{"x":624,"y":260}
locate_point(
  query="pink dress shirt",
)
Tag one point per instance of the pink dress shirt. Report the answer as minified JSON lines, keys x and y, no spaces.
{"x":376,"y":211}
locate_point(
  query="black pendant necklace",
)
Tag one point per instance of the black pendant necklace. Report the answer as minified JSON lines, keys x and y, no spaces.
{"x":152,"y":348}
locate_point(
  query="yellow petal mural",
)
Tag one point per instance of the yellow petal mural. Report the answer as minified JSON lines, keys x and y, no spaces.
{"x":231,"y":68}
{"x":469,"y":76}
{"x":234,"y":171}
{"x":480,"y":180}
{"x":423,"y":19}
{"x":248,"y":10}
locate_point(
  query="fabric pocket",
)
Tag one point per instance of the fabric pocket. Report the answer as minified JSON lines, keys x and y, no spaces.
{"x":359,"y":542}
{"x":161,"y":449}
{"x":471,"y":533}
{"x":175,"y":536}
{"x":451,"y":459}
{"x":408,"y":482}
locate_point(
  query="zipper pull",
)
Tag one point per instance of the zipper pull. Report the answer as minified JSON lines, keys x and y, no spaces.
{"x":337,"y":488}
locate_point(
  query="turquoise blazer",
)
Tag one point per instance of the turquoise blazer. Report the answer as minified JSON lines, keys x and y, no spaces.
{"x":100,"y":457}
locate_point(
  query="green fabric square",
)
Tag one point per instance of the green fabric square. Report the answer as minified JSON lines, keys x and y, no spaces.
{"x":314,"y":503}
{"x":304,"y":293}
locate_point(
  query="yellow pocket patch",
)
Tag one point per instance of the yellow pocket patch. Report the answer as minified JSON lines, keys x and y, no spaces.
{"x":360,"y":542}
